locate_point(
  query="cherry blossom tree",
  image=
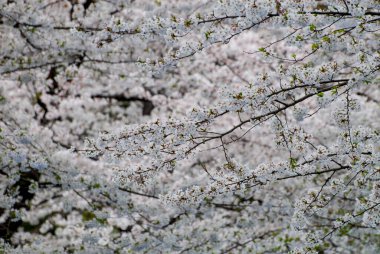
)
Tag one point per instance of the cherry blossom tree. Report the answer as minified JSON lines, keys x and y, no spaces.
{"x":168,"y":126}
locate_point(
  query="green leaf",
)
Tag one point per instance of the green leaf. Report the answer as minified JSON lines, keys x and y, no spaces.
{"x":345,"y":230}
{"x":32,"y":29}
{"x":61,"y":44}
{"x":174,"y":19}
{"x":88,"y":215}
{"x":326,"y":39}
{"x":238,"y":96}
{"x":293,"y":163}
{"x":314,"y":46}
{"x":262,"y":50}
{"x":339,"y":31}
{"x":208,"y":34}
{"x":188,"y":23}
{"x":101,"y":221}
{"x":299,"y":38}
{"x":96,"y":186}
{"x":12,"y":214}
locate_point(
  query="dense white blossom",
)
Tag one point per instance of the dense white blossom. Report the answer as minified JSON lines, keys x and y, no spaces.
{"x":224,"y":126}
